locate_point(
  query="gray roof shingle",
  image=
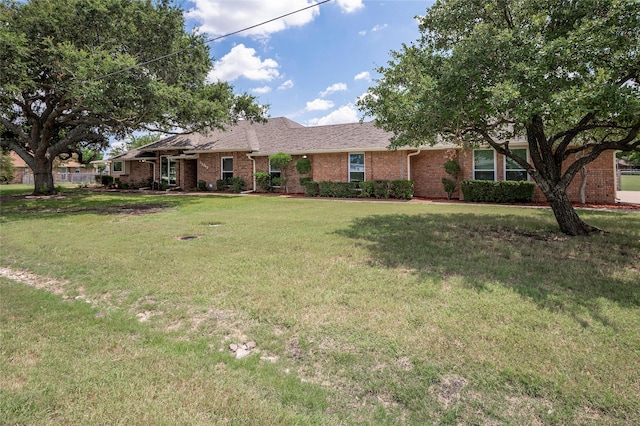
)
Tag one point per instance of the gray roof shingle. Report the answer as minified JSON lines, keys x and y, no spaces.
{"x":276,"y":135}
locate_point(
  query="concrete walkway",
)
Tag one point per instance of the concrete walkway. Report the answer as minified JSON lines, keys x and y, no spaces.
{"x":628,"y":197}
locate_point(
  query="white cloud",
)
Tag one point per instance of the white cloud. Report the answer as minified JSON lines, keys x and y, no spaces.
{"x":374,"y":29}
{"x":261,"y":90}
{"x":344,"y":114}
{"x":286,"y":85}
{"x":218,"y":17}
{"x":319,"y":105}
{"x":350,"y":5}
{"x":379,"y":28}
{"x":337,"y":87}
{"x":364,"y":75}
{"x":242,"y":61}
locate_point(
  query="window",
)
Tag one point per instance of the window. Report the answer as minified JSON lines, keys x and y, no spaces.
{"x":484,"y":165}
{"x":513,"y":170}
{"x":356,"y":167}
{"x":167,"y":171}
{"x":273,"y":172}
{"x":118,"y":166}
{"x":227,"y":167}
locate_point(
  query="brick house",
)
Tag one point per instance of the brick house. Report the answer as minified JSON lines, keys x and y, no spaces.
{"x":63,"y":170}
{"x":341,"y":153}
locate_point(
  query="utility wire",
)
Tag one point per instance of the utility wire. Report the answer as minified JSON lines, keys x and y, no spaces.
{"x":168,"y":55}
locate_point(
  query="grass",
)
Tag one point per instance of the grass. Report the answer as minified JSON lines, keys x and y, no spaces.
{"x":385,"y":313}
{"x":630,"y":183}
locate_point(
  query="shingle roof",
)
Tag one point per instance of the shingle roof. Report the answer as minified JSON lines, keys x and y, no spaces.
{"x":276,"y":135}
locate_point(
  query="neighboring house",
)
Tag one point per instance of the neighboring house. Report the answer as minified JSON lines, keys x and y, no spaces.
{"x":63,"y":171}
{"x":341,"y":153}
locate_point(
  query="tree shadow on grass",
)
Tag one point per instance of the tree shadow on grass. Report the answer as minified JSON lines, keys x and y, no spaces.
{"x":556,"y":271}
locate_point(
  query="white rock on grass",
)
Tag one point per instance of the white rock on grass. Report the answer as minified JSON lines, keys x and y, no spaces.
{"x":242,"y":353}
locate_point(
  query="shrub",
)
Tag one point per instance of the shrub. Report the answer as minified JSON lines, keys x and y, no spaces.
{"x":278,"y":181}
{"x":498,"y":192}
{"x":401,"y":188}
{"x":202,"y":185}
{"x":453,"y":169}
{"x":236,"y":185}
{"x":398,"y":189}
{"x":366,"y":189}
{"x":345,"y":189}
{"x":304,"y":180}
{"x":311,"y":188}
{"x":326,"y":189}
{"x":221,"y":184}
{"x":381,"y":189}
{"x":263,"y":181}
{"x":303,"y":166}
{"x":279,"y":160}
{"x":106,"y":180}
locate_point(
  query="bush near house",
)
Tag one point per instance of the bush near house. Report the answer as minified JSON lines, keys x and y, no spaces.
{"x":263,"y":181}
{"x":498,"y":192}
{"x":401,"y":189}
{"x":234,"y":184}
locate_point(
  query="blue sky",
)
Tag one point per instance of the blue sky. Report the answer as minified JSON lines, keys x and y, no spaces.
{"x":312,"y":66}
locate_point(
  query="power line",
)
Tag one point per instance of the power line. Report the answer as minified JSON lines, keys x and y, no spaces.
{"x":168,"y":55}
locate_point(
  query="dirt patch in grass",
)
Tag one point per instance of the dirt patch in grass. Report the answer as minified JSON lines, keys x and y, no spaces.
{"x":48,"y":284}
{"x":132,"y":209}
{"x":447,"y":389}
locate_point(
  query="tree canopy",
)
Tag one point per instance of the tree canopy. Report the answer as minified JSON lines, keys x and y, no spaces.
{"x":564,"y":74}
{"x":75,"y":73}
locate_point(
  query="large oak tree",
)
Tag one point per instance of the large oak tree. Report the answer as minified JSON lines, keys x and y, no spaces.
{"x":565,"y":74}
{"x":74,"y":73}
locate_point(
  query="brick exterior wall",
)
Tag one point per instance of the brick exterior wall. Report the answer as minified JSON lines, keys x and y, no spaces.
{"x":601,"y":181}
{"x":427,"y":172}
{"x":137,"y":173}
{"x":187,"y":173}
{"x":290,"y":173}
{"x":387,"y":165}
{"x":209,"y":167}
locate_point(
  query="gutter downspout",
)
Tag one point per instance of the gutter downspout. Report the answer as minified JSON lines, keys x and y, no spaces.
{"x":409,"y":162}
{"x":253,"y":160}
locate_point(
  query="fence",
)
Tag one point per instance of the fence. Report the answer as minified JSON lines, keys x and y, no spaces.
{"x":630,"y":172}
{"x":65,"y":178}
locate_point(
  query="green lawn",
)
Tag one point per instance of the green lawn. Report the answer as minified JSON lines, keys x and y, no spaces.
{"x":362,"y":312}
{"x":630,"y":183}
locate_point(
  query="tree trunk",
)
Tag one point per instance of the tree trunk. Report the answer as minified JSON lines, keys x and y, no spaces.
{"x":583,"y":185}
{"x":566,"y":215}
{"x":43,"y":177}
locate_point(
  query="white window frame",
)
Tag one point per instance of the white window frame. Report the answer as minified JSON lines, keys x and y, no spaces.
{"x":273,"y":171}
{"x":121,"y":171}
{"x":364,"y":170}
{"x":170,"y":182}
{"x":526,"y":158}
{"x":222,"y":170}
{"x":485,"y":170}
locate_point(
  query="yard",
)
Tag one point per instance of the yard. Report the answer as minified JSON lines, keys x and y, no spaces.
{"x":630,"y":183}
{"x":361,"y":312}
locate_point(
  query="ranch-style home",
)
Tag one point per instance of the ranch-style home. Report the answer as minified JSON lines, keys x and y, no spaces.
{"x":338,"y":153}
